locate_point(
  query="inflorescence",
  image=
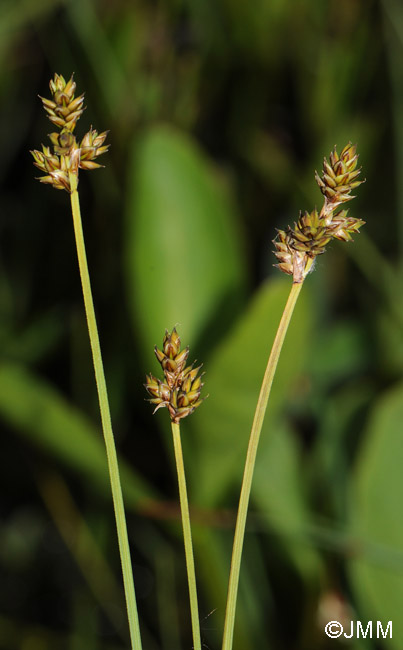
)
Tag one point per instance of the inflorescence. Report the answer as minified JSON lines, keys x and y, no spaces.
{"x":180,"y":390}
{"x":64,"y":110}
{"x":297,"y":248}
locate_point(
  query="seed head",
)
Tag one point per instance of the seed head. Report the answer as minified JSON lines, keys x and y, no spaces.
{"x":181,"y":388}
{"x":342,"y":226}
{"x":310,"y":234}
{"x":284,"y":252}
{"x":159,"y":391}
{"x":171,"y":358}
{"x":297,"y":248}
{"x":339,"y":176}
{"x":64,"y":110}
{"x":92,"y":146}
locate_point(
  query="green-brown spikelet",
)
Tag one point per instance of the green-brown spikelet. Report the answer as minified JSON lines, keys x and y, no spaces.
{"x":339,"y":175}
{"x":92,"y":146}
{"x":55,"y":167}
{"x":64,"y":110}
{"x":310,"y":234}
{"x":159,"y":391}
{"x":180,"y":392}
{"x":342,"y":226}
{"x":296,"y":248}
{"x":284,"y":252}
{"x":171,"y":358}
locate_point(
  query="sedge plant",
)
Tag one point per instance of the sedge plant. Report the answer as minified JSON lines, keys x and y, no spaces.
{"x":61,"y":164}
{"x":296,"y":252}
{"x":179,"y":392}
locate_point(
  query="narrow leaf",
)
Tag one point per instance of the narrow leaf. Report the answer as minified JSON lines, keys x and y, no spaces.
{"x":36,"y":410}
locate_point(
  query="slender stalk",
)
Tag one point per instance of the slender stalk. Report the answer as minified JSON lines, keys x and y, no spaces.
{"x":187,"y":536}
{"x":106,"y":422}
{"x":250,"y":465}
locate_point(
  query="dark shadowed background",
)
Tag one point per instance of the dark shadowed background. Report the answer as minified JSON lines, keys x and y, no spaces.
{"x":219,"y":113}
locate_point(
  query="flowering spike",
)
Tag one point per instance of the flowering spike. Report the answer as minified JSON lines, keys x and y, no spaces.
{"x":181,"y":388}
{"x":64,"y":110}
{"x":297,"y":248}
{"x":339,"y":176}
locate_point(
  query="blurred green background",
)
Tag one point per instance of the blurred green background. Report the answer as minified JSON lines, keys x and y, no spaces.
{"x":219,"y":113}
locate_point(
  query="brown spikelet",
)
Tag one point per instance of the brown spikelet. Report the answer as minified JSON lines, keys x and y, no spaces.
{"x":181,"y":388}
{"x":64,"y":109}
{"x":67,"y":157}
{"x":297,"y":248}
{"x":284,"y":252}
{"x":339,"y":175}
{"x":310,"y":234}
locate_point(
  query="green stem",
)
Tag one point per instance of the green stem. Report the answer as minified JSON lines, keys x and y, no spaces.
{"x":106,"y":422}
{"x":250,"y":465}
{"x":187,"y":536}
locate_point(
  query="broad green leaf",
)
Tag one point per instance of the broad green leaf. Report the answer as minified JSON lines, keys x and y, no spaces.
{"x":220,"y":428}
{"x":377,"y":517}
{"x":38,"y":411}
{"x":183,"y":259}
